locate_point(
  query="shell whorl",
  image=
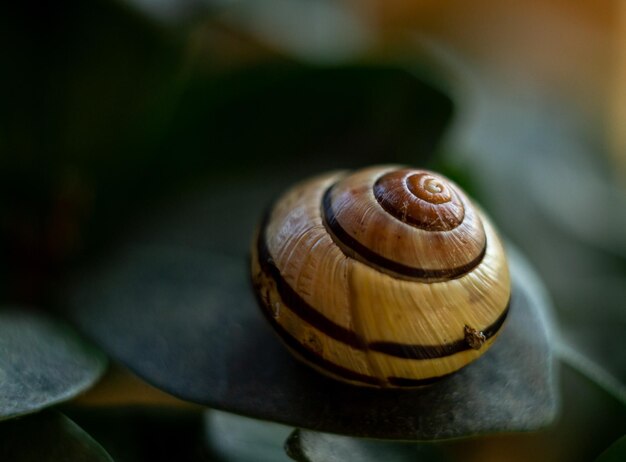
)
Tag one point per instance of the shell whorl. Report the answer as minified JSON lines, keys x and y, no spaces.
{"x":421,"y":199}
{"x":410,"y":223}
{"x":385,"y":276}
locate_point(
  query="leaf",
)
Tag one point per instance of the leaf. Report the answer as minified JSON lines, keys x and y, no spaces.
{"x":85,"y":128}
{"x":48,"y":437}
{"x":285,"y":116}
{"x":277,"y":120}
{"x":144,"y":433}
{"x":186,"y":321}
{"x":42,"y":362}
{"x":591,"y":370}
{"x":540,"y":168}
{"x":242,"y":439}
{"x":309,"y":446}
{"x":332,"y":32}
{"x":589,"y":421}
{"x":615,"y":453}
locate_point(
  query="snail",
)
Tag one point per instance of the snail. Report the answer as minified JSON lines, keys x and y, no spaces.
{"x":384,"y":277}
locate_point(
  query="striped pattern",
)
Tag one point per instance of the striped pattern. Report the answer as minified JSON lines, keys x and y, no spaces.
{"x":355,"y":249}
{"x":350,"y":350}
{"x":358,"y":215}
{"x":308,"y":314}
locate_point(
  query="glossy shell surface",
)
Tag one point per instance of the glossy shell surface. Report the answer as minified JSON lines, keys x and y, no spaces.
{"x":385,"y":277}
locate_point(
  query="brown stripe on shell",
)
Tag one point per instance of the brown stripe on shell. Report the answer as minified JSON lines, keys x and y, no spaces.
{"x":297,"y":304}
{"x":357,"y":212}
{"x":354,"y":249}
{"x":314,"y":358}
{"x":294,"y":302}
{"x":335,"y":369}
{"x":417,"y":351}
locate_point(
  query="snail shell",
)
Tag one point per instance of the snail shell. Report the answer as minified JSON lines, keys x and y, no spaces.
{"x":385,"y":277}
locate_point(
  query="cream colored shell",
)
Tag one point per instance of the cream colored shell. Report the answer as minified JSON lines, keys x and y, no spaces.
{"x":359,"y":322}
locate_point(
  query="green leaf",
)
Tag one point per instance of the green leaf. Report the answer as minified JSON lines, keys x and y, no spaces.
{"x":591,"y":370}
{"x":309,"y":446}
{"x":544,"y":177}
{"x":589,"y":421}
{"x":291,"y":117}
{"x":144,"y":433}
{"x":242,"y":439}
{"x":332,"y":32}
{"x":42,"y":362}
{"x":48,"y":437}
{"x":615,"y":453}
{"x":186,"y":321}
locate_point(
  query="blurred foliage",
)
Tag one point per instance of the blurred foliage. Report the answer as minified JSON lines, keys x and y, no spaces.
{"x":307,"y":446}
{"x":232,"y":437}
{"x":112,"y":115}
{"x":115,"y":131}
{"x":136,"y":434}
{"x":48,"y":436}
{"x":42,"y":362}
{"x":82,"y":85}
{"x":531,"y":156}
{"x":615,"y":453}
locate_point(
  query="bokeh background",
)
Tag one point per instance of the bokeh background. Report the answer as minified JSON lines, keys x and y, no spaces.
{"x":114,"y":112}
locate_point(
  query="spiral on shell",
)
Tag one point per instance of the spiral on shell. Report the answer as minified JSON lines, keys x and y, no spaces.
{"x":386,"y":276}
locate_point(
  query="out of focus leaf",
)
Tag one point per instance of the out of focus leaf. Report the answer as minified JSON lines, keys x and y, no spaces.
{"x":309,"y":446}
{"x":242,"y":439}
{"x":82,"y":86}
{"x":616,"y":453}
{"x":248,"y":134}
{"x":173,"y":12}
{"x":541,"y":173}
{"x":284,"y":115}
{"x":139,"y":434}
{"x":48,"y":437}
{"x":187,"y":322}
{"x":42,"y":362}
{"x":590,"y":420}
{"x":113,"y":114}
{"x":590,"y":369}
{"x":241,"y":136}
{"x":595,"y":210}
{"x":321,"y":31}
